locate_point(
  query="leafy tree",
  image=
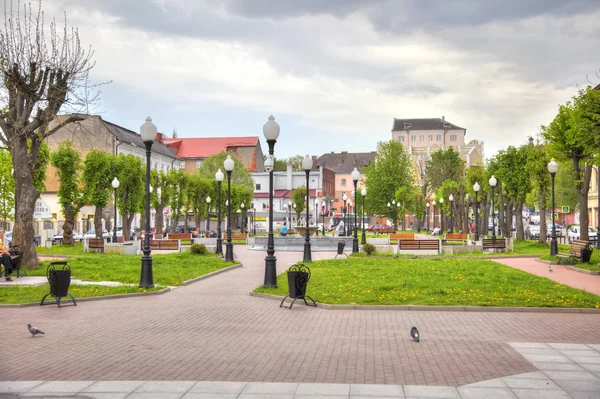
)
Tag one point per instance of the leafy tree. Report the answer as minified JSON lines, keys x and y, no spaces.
{"x":298,"y":197}
{"x":131,"y":191}
{"x":565,"y":190}
{"x":99,"y":171}
{"x":417,"y":206}
{"x":391,"y":170}
{"x":71,"y":195}
{"x":41,"y":70}
{"x":444,"y":165}
{"x":159,"y":181}
{"x":177,"y":182}
{"x":537,"y":166}
{"x":7,"y":187}
{"x":239,"y":176}
{"x":478,"y":174}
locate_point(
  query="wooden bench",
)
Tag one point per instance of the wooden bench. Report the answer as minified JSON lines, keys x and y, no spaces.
{"x":167,"y":245}
{"x":180,"y":236}
{"x":457,"y":237}
{"x":490,"y":243}
{"x":96,"y":243}
{"x":237,"y":236}
{"x":120,"y":240}
{"x":402,"y":236}
{"x":419,"y":245}
{"x":579,"y":249}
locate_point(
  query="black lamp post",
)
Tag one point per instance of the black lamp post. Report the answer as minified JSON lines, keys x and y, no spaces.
{"x":493,"y":181}
{"x":243,"y":217}
{"x":427,"y":214}
{"x":553,"y":168}
{"x":451,"y":198}
{"x":115,"y":184}
{"x":307,"y":164}
{"x":317,"y":202}
{"x":323,"y":215}
{"x":598,"y":208}
{"x":400,"y":214}
{"x":344,"y":198}
{"x":207,"y":215}
{"x":395,"y":214}
{"x":476,"y":188}
{"x":271,"y":132}
{"x":219,"y":176}
{"x":228,"y":164}
{"x":362,"y":226}
{"x":355,"y":178}
{"x":148,"y":132}
{"x":441,"y":215}
{"x":433,"y":204}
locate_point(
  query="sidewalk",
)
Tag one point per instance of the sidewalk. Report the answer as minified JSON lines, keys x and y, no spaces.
{"x":560,"y":273}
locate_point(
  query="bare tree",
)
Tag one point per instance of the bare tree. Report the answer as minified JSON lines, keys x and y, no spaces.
{"x":40,"y":77}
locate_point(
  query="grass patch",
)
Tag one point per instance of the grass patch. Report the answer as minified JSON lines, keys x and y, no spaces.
{"x":171,"y":269}
{"x":60,"y":249}
{"x":28,"y":294}
{"x":442,"y":281}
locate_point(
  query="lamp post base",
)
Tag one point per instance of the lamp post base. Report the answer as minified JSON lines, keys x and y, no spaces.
{"x":146,"y":279}
{"x":270,"y":272}
{"x":219,"y":249}
{"x":307,"y":252}
{"x":229,"y":252}
{"x":364,"y":238}
{"x":355,"y":248}
{"x":553,"y":247}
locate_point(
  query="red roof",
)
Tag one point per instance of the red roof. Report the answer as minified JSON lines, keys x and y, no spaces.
{"x":207,"y":146}
{"x":282,"y":194}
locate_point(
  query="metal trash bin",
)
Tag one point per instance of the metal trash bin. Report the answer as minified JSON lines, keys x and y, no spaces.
{"x":340,"y":249}
{"x":298,"y":276}
{"x":60,"y":281}
{"x":37,"y":240}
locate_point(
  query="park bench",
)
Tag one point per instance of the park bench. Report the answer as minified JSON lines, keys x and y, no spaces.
{"x":167,"y":245}
{"x":419,"y":245}
{"x":491,"y":243}
{"x":579,"y":249}
{"x":456,"y":237}
{"x":96,"y":243}
{"x":402,"y":236}
{"x":180,"y":236}
{"x":120,"y":240}
{"x":236,"y":236}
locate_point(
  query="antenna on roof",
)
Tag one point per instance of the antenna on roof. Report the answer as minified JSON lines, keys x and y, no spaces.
{"x":174,"y":133}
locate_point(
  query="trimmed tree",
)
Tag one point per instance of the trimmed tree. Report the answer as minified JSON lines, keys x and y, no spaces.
{"x":99,"y":171}
{"x":131,"y":191}
{"x":7,"y":187}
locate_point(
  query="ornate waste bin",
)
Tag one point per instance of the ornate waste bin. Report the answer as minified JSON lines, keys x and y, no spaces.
{"x":60,"y":281}
{"x":298,"y":276}
{"x":340,"y":249}
{"x":586,"y":255}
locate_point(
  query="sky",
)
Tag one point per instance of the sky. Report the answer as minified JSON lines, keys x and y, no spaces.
{"x":336,"y":73}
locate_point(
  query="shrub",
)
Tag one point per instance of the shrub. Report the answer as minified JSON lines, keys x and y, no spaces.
{"x":369,"y":249}
{"x":198,"y":249}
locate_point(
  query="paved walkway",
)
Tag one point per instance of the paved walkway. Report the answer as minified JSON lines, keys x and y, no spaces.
{"x":560,"y":273}
{"x":213,"y":330}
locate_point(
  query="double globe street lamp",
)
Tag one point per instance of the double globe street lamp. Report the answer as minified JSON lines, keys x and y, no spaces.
{"x":362,"y":225}
{"x":229,"y":164}
{"x":271,"y":132}
{"x":345,"y":198}
{"x":115,"y":184}
{"x":219,"y":176}
{"x":553,"y":168}
{"x":307,"y":164}
{"x":493,"y":181}
{"x":476,"y":188}
{"x":355,"y":177}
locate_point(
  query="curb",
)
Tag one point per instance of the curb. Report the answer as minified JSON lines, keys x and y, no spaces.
{"x":585,"y":271}
{"x":91,"y":298}
{"x":187,"y":282}
{"x":437,"y":308}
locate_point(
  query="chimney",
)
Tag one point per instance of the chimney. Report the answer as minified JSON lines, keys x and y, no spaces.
{"x":159,"y":136}
{"x":289,"y":177}
{"x":530,"y":140}
{"x":443,"y":120}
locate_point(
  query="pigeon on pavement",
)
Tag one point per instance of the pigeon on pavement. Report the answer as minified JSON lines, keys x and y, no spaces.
{"x":414,"y":333}
{"x":550,"y":269}
{"x":34,"y":330}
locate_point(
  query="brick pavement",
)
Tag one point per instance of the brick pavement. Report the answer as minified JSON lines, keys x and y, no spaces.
{"x":213,"y":330}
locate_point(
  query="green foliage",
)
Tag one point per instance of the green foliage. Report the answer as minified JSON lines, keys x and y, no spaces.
{"x":391,"y":170}
{"x":98,"y":174}
{"x":41,"y":166}
{"x":444,"y":165}
{"x":177,"y":182}
{"x":30,"y":294}
{"x":159,"y":180}
{"x":131,"y":191}
{"x":515,"y":179}
{"x":298,"y":198}
{"x":566,"y":187}
{"x":369,"y":249}
{"x":199,"y":249}
{"x":239,"y":176}
{"x":7,"y":186}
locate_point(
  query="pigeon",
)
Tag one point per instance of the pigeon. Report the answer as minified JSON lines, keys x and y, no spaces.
{"x":414,"y":333}
{"x":550,"y":269}
{"x":34,"y":330}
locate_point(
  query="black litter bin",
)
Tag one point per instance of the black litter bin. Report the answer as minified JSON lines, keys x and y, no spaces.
{"x":340,"y":249}
{"x":60,"y":281}
{"x":298,"y":276}
{"x":37,"y":240}
{"x":586,"y":255}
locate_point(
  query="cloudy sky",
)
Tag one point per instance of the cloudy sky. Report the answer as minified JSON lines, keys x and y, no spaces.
{"x":335,"y":73}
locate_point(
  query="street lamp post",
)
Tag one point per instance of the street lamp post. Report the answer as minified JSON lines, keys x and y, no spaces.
{"x":553,"y":168}
{"x":323,"y":215}
{"x":395,"y":213}
{"x":355,"y":177}
{"x":228,"y":164}
{"x":307,"y":164}
{"x":243,"y":217}
{"x":427,"y":214}
{"x":441,"y":216}
{"x":271,"y":132}
{"x":399,"y":213}
{"x":345,"y":198}
{"x":493,"y":181}
{"x":115,"y":184}
{"x":476,"y":188}
{"x":451,"y":198}
{"x":207,"y":227}
{"x":433,"y":204}
{"x":148,"y":132}
{"x":219,"y":176}
{"x":362,"y":221}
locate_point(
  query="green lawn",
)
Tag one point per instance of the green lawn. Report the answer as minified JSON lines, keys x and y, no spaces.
{"x":21,"y":294}
{"x":442,"y":281}
{"x":76,"y":249}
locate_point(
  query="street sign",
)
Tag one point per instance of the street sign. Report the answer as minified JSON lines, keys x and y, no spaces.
{"x":536,"y":204}
{"x":555,"y":216}
{"x":566,"y":209}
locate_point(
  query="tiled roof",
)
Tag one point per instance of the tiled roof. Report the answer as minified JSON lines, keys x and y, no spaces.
{"x":344,"y":162}
{"x":132,"y":137}
{"x":282,"y":194}
{"x":207,"y":146}
{"x":423,"y":124}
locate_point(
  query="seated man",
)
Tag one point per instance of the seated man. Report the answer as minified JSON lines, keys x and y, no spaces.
{"x":284,"y":229}
{"x":5,"y":258}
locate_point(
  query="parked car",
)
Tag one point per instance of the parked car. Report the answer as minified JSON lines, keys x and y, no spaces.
{"x":532,"y":232}
{"x":575,"y":232}
{"x":559,"y":231}
{"x":8,"y":236}
{"x":59,"y":237}
{"x":91,"y":233}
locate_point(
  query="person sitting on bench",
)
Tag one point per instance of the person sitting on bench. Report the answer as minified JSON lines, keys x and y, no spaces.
{"x":5,"y":258}
{"x":284,"y":229}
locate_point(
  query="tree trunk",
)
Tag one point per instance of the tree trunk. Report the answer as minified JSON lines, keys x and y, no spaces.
{"x":159,"y":219}
{"x":519,"y":221}
{"x":127,"y":219}
{"x":68,"y":226}
{"x":583,"y":202}
{"x":485,"y":216}
{"x":543,"y":226}
{"x":26,"y":195}
{"x":98,"y":222}
{"x":506,"y":226}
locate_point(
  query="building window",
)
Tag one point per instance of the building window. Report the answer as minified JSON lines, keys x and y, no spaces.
{"x":162,"y":167}
{"x":453,"y":137}
{"x":431,"y":137}
{"x":257,"y":186}
{"x":155,"y":165}
{"x":343,"y":182}
{"x":421,"y":138}
{"x":401,"y":139}
{"x":181,"y":165}
{"x":168,"y":168}
{"x":198,"y":164}
{"x":413,"y":138}
{"x":438,"y":137}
